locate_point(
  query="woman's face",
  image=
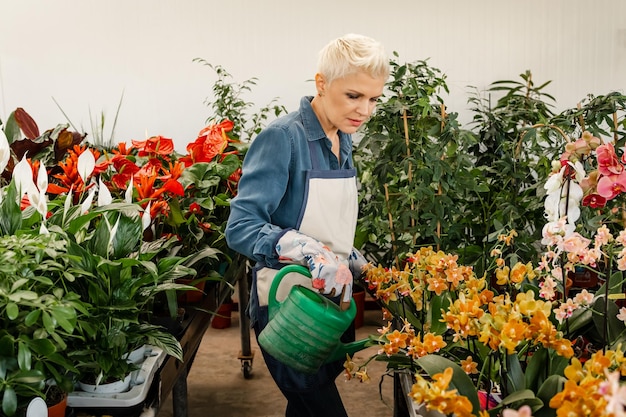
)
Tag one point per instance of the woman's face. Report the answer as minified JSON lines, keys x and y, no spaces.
{"x":347,"y":102}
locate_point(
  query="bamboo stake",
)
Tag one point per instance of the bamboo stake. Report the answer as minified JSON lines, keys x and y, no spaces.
{"x":405,"y":120}
{"x":391,"y":228}
{"x":439,"y":189}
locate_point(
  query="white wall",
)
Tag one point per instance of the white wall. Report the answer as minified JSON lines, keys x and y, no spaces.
{"x":84,"y":53}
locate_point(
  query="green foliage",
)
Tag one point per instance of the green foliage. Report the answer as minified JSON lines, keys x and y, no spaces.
{"x":228,"y":102}
{"x":414,"y":174}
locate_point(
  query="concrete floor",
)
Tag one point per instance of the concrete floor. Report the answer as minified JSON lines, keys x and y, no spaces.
{"x":217,"y":387}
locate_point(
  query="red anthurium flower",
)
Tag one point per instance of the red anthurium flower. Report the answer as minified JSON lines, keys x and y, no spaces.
{"x":156,"y":145}
{"x":211,"y":141}
{"x":174,"y":187}
{"x":125,"y":170}
{"x":195,"y":208}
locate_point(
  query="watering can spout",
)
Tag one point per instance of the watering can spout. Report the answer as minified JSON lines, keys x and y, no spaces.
{"x":347,"y":349}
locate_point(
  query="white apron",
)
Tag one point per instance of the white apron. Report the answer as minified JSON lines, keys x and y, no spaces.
{"x":329,"y":215}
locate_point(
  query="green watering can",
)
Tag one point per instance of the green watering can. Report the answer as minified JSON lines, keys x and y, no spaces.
{"x":304,"y":330}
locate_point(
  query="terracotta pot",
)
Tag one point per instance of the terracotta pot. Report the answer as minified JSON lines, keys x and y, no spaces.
{"x":222,"y":319}
{"x":359,"y":300}
{"x":58,"y":410}
{"x":191,"y":296}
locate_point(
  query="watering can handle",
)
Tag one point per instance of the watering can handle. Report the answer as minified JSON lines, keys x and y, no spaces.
{"x":273,"y":303}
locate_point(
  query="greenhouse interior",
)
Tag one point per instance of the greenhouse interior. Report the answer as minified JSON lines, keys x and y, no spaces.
{"x":237,"y":209}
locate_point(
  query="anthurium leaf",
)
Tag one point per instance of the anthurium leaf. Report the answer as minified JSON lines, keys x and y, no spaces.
{"x":176,"y":217}
{"x":434,"y":364}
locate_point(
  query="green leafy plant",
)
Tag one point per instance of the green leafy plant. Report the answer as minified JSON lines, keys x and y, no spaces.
{"x":228,"y":102}
{"x":413,"y":170}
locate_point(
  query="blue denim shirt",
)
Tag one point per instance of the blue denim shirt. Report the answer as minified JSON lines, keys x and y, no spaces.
{"x":272,"y":185}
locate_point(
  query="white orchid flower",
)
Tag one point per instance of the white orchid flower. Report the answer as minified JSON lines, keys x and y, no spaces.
{"x":5,"y":151}
{"x":104,"y":195}
{"x":85,"y":165}
{"x":579,"y":169}
{"x":23,"y":176}
{"x":128,"y":195}
{"x":145,"y":217}
{"x":554,"y":182}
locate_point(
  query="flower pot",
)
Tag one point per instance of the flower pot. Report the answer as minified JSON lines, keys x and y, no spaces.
{"x":106,"y":388}
{"x":136,"y":356}
{"x":583,"y":278}
{"x":222,"y":319}
{"x":359,"y":300}
{"x":191,"y":296}
{"x":58,"y":409}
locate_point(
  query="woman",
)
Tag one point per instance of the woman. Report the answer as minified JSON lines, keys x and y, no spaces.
{"x":297,"y":203}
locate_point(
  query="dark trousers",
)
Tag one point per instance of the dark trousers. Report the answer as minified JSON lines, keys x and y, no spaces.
{"x":308,"y":395}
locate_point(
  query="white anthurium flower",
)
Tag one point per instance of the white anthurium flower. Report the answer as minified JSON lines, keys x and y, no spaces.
{"x":104,"y":195}
{"x":85,"y":165}
{"x":23,"y":176}
{"x":43,"y":230}
{"x":145,"y":217}
{"x":5,"y":151}
{"x":42,"y":179}
{"x":39,"y":201}
{"x":112,"y":231}
{"x":84,"y":207}
{"x":68,"y":203}
{"x":128,"y":195}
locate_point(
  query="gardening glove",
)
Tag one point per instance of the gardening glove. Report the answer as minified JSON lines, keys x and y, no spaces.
{"x":357,"y":264}
{"x":329,"y":273}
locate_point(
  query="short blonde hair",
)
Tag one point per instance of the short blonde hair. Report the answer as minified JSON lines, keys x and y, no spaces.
{"x":353,"y":53}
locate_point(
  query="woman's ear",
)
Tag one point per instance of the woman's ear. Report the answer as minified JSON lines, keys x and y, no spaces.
{"x":320,"y":84}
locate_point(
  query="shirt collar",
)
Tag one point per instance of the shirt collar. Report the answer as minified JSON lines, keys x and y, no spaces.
{"x":311,"y":123}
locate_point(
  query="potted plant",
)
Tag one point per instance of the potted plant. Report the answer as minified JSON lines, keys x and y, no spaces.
{"x":40,"y":314}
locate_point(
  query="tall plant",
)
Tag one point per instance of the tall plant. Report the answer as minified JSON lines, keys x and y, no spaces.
{"x":412,"y":169}
{"x":514,"y":159}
